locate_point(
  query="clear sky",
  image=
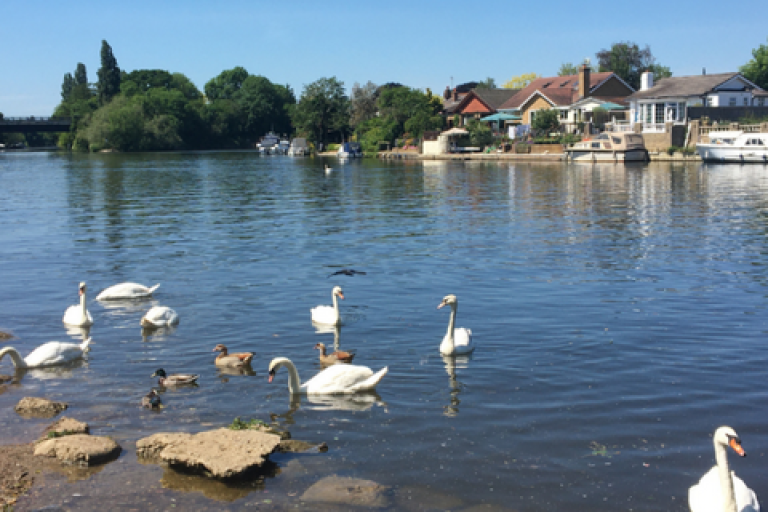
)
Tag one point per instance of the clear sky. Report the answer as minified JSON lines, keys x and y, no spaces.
{"x":417,"y":43}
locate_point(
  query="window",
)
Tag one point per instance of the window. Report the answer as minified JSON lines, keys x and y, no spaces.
{"x":761,"y":102}
{"x":710,"y":101}
{"x":732,"y":101}
{"x":672,"y":112}
{"x":659,"y":113}
{"x":746,"y":101}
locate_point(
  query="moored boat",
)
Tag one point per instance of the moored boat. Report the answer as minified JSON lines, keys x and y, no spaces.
{"x":609,"y":147}
{"x":735,"y":146}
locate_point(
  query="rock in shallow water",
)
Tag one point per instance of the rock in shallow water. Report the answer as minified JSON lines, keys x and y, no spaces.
{"x":223,"y":453}
{"x":79,"y":449}
{"x":64,"y":427}
{"x":347,"y":491}
{"x":30,"y":407}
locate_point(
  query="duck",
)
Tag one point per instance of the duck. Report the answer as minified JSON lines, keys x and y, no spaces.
{"x":175,"y":379}
{"x":328,"y":169}
{"x":720,"y":490}
{"x":48,"y":354}
{"x":336,"y":379}
{"x":236,"y":360}
{"x":457,"y":340}
{"x":77,"y":314}
{"x":338,"y":356}
{"x":160,"y":316}
{"x":329,"y":314}
{"x":127,"y":291}
{"x":151,"y":400}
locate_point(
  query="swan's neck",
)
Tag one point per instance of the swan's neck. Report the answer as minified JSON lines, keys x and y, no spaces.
{"x":448,"y":340}
{"x":18,"y":362}
{"x":294,"y":383}
{"x":726,"y":480}
{"x":335,"y":304}
{"x":83,"y":309}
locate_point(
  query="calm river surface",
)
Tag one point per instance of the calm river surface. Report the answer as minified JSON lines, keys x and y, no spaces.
{"x":620,"y":316}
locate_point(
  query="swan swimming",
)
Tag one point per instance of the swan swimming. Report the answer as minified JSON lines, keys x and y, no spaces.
{"x":329,"y":315}
{"x":336,"y":379}
{"x":720,"y":490}
{"x":160,"y":316}
{"x":457,"y":340}
{"x":127,"y":291}
{"x":48,"y":354}
{"x":77,"y":314}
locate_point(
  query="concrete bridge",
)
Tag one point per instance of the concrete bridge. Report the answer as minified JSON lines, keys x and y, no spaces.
{"x":34,"y":124}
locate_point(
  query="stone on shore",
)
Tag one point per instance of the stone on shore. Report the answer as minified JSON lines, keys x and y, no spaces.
{"x":30,"y":407}
{"x":222,"y":453}
{"x":79,"y":449}
{"x":64,"y":427}
{"x":348,"y":492}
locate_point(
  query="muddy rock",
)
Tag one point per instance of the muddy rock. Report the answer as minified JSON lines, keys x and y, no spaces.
{"x":30,"y":407}
{"x":64,"y":427}
{"x":294,"y":446}
{"x":5,"y":336}
{"x":79,"y":449}
{"x":348,"y":492}
{"x":222,"y":453}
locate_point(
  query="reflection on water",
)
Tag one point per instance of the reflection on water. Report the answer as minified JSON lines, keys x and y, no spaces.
{"x":619,"y":305}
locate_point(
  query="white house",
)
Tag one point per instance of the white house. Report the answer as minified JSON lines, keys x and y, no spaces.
{"x":668,"y":99}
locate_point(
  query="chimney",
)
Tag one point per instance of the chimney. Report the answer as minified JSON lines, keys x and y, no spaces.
{"x":455,"y":95}
{"x":447,"y":93}
{"x":646,"y":80}
{"x":703,"y":71}
{"x":584,"y":80}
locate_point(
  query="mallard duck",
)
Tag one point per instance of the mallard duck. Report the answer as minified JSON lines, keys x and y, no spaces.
{"x":77,"y":314}
{"x":151,"y":400}
{"x":176,"y":379}
{"x":236,"y":360}
{"x":336,"y":357}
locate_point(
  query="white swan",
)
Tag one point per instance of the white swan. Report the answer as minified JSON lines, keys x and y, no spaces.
{"x":160,"y":316}
{"x":78,"y":314}
{"x":457,"y":340}
{"x":329,"y":315}
{"x":720,"y":489}
{"x":127,"y":291}
{"x":336,"y":379}
{"x":48,"y":354}
{"x":328,"y":169}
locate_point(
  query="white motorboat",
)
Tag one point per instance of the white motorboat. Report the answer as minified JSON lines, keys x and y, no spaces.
{"x":298,"y":147}
{"x":350,"y":150}
{"x":735,"y":146}
{"x":609,"y":147}
{"x":269,"y":144}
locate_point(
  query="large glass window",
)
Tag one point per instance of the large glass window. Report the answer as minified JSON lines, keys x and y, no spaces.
{"x":659,"y":113}
{"x":672,"y":112}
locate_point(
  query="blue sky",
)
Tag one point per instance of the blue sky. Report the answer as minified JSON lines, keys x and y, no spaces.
{"x":420,"y":44}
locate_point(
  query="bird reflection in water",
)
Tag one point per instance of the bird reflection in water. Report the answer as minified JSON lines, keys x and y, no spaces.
{"x":224,"y":372}
{"x":77,"y":332}
{"x":156,"y":333}
{"x":451,"y":363}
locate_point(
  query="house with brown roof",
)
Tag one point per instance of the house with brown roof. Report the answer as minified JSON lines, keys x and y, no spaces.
{"x":479,"y":103}
{"x":668,"y":99}
{"x":574,"y":96}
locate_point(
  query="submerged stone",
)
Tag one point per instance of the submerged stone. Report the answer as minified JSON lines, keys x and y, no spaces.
{"x":79,"y":449}
{"x":347,"y":491}
{"x":65,"y":427}
{"x":31,"y":407}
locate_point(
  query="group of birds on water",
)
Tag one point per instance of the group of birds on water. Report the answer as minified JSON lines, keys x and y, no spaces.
{"x":718,"y":490}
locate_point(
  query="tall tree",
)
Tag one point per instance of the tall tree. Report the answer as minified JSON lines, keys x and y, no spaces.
{"x":520,"y":81}
{"x":628,"y":61}
{"x":322,"y":108}
{"x":568,"y":69}
{"x":756,"y":70}
{"x":265,"y":106}
{"x":66,"y":86}
{"x":362,"y":105}
{"x":81,"y":77}
{"x":226,"y":85}
{"x":109,"y":75}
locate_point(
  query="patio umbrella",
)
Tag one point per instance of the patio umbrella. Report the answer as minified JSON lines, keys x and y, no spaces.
{"x":455,"y":131}
{"x":500,"y":116}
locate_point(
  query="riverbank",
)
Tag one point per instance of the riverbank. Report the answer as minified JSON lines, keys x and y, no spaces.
{"x":540,"y":157}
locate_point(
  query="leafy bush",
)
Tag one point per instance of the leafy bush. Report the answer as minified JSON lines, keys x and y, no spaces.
{"x":238,"y":424}
{"x":671,"y":150}
{"x":522,"y":147}
{"x":546,"y":121}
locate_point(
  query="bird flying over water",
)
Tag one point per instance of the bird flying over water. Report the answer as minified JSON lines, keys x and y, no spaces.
{"x":347,"y":272}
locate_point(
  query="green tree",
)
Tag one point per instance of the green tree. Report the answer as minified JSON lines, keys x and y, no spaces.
{"x":546,"y":121}
{"x":362,"y":105}
{"x":480,"y":134}
{"x":265,"y":106}
{"x":756,"y":70}
{"x":488,"y":83}
{"x":81,"y":76}
{"x":322,"y":109}
{"x":628,"y":61}
{"x":66,"y":86}
{"x":226,"y":85}
{"x":520,"y":81}
{"x":109,"y":75}
{"x":568,"y":69}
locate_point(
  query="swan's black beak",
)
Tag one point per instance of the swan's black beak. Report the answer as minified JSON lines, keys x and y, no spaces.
{"x":271,"y":375}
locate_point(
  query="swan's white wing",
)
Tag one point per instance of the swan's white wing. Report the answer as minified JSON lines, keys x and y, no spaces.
{"x":746,"y":499}
{"x":706,"y":495}
{"x":161,"y":316}
{"x":338,"y":379}
{"x":74,"y":316}
{"x":53,"y":352}
{"x":126,"y":291}
{"x":462,"y":336}
{"x":370,"y":383}
{"x":324,"y":315}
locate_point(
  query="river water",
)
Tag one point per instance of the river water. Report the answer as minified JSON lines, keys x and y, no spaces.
{"x":619,"y":314}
